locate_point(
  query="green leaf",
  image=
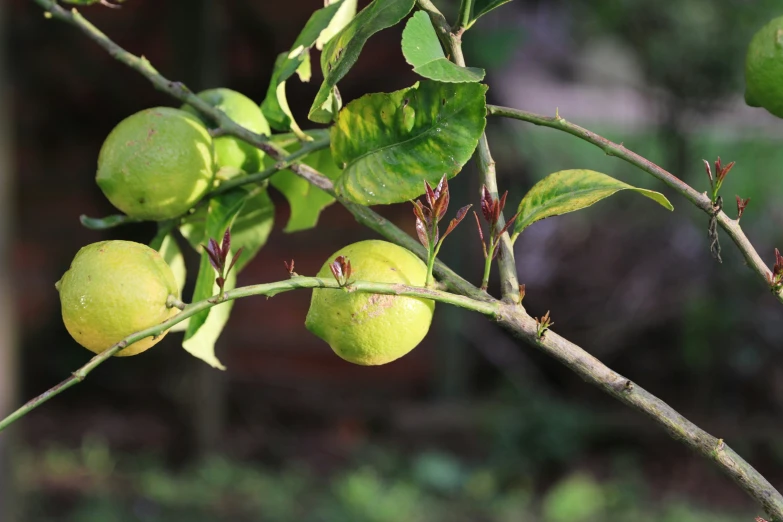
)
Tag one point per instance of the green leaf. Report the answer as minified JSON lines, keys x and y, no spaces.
{"x":422,"y":49}
{"x":342,"y":51}
{"x":249,"y":231}
{"x":297,"y":60}
{"x":570,"y":190}
{"x":344,"y":14}
{"x":107,"y":222}
{"x":482,"y":7}
{"x":388,"y":144}
{"x":252,"y":226}
{"x":202,"y":343}
{"x":220,"y":214}
{"x":171,"y":253}
{"x":306,"y":200}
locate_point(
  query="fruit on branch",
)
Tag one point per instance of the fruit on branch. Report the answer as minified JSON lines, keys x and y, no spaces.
{"x":230,"y":151}
{"x":113,"y":289}
{"x":764,"y":68}
{"x":372,"y":329}
{"x":156,"y":164}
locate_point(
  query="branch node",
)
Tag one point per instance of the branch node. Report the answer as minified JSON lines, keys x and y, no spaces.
{"x":628,"y":388}
{"x":712,"y":230}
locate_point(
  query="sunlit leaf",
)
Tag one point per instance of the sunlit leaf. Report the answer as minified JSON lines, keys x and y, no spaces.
{"x":296,"y":60}
{"x":344,"y":14}
{"x":220,"y":214}
{"x":342,"y":51}
{"x":389,"y":144}
{"x":202,"y":343}
{"x":422,"y":49}
{"x":570,"y":190}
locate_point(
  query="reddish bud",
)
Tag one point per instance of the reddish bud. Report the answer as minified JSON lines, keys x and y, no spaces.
{"x":341,"y":270}
{"x":429,"y":193}
{"x":508,"y":224}
{"x":722,"y":175}
{"x":481,"y":234}
{"x":234,"y":259}
{"x":442,"y":198}
{"x":226,"y":246}
{"x":290,"y":267}
{"x":461,"y":213}
{"x":741,"y":205}
{"x":708,"y":169}
{"x":487,"y":204}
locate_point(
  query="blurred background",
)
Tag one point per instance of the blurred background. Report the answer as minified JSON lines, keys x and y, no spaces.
{"x":471,"y":426}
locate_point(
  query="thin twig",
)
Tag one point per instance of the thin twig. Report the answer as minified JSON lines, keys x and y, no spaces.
{"x":700,"y":200}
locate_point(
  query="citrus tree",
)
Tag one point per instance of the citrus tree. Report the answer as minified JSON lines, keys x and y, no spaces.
{"x":202,"y":171}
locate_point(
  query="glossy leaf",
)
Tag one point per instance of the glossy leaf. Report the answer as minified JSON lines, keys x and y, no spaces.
{"x":344,"y":14}
{"x":389,"y":144}
{"x":220,"y":214}
{"x":342,"y":51}
{"x":570,"y":190}
{"x":482,"y":7}
{"x":306,"y":200}
{"x":296,"y":60}
{"x":422,"y":49}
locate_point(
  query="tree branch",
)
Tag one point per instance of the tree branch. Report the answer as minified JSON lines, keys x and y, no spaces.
{"x":269,"y":289}
{"x":452,"y":41}
{"x":286,"y":162}
{"x":596,"y":373}
{"x":700,"y":200}
{"x":511,"y":317}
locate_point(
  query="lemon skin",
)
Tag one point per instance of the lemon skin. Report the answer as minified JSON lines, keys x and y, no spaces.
{"x":764,"y":68}
{"x":156,"y":164}
{"x":372,"y":329}
{"x":113,"y":289}
{"x":231,"y":151}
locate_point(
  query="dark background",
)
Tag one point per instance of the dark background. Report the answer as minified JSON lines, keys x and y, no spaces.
{"x":471,"y":425}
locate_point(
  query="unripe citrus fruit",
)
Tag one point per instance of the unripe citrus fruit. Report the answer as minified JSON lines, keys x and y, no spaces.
{"x":371,"y":329}
{"x":156,"y":164}
{"x":230,"y":151}
{"x":113,"y":289}
{"x":764,"y":68}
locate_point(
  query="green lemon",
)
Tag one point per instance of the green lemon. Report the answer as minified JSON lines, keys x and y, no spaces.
{"x":156,"y":164}
{"x":230,"y":151}
{"x":764,"y":68}
{"x":113,"y":289}
{"x":371,"y":329}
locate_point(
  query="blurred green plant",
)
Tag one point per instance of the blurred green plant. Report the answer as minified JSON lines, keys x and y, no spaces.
{"x":91,"y":484}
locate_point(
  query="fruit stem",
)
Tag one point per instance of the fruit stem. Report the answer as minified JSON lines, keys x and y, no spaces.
{"x":433,"y":254}
{"x":174,"y":302}
{"x":488,"y":264}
